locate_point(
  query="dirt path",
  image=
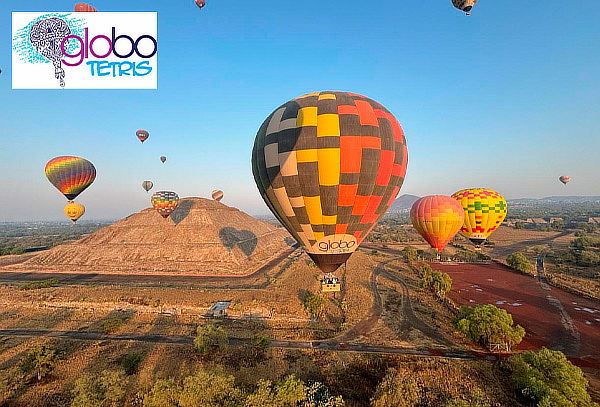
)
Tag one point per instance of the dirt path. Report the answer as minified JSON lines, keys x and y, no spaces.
{"x":188,"y":340}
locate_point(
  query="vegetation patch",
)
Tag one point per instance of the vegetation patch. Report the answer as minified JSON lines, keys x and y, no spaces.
{"x":36,"y":285}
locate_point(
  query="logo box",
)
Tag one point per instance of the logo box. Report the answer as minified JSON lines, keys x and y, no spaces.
{"x":98,"y":50}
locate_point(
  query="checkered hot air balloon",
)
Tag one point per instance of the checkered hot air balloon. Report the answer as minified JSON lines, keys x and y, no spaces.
{"x":84,"y":7}
{"x":329,"y":165}
{"x":70,"y":175}
{"x":217,"y":195}
{"x":164,"y":202}
{"x":437,"y":218}
{"x":485,"y":210}
{"x":74,"y":211}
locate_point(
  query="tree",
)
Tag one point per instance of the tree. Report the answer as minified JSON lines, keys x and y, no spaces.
{"x":410,"y":253}
{"x":292,"y":392}
{"x":438,"y":282}
{"x":164,"y":393}
{"x":210,"y":389}
{"x":548,"y":379}
{"x":520,"y":262}
{"x":260,"y":344}
{"x":106,"y":389}
{"x":210,"y":338}
{"x":488,"y":324}
{"x":130,"y":363}
{"x":40,"y":360}
{"x":314,"y":304}
{"x":587,"y":258}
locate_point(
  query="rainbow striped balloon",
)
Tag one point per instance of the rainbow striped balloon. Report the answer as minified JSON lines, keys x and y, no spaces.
{"x":70,"y":175}
{"x":165,"y":202}
{"x":217,"y":195}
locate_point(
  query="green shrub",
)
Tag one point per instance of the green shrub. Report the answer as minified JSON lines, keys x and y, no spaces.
{"x":106,"y":389}
{"x":546,"y":378}
{"x":438,"y":282}
{"x":487,"y":325}
{"x":35,"y":285}
{"x":314,"y":304}
{"x":40,"y":360}
{"x":131,"y":362}
{"x":210,"y":339}
{"x":111,"y":325}
{"x":520,"y":262}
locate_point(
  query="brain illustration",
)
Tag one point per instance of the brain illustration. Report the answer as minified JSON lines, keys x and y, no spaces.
{"x":46,"y":36}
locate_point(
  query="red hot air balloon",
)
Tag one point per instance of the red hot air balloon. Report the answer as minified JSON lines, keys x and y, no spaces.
{"x":84,"y":7}
{"x":142,"y":135}
{"x":437,"y":218}
{"x":163,"y":158}
{"x":200,"y":3}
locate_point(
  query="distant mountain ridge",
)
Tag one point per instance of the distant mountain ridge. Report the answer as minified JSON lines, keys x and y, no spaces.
{"x":557,"y":199}
{"x":403,"y":203}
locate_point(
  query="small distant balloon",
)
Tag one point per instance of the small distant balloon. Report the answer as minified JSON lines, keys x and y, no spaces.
{"x":217,"y":195}
{"x":142,"y":135}
{"x":74,"y":211}
{"x":164,"y":202}
{"x":147,"y":185}
{"x":163,"y":158}
{"x":564,"y":179}
{"x":70,"y":175}
{"x":464,"y":5}
{"x":200,"y":3}
{"x":84,"y":7}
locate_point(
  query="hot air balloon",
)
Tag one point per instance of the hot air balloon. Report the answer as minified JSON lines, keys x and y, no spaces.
{"x":200,"y":3}
{"x":142,"y":135}
{"x":217,"y":195}
{"x":84,"y":7}
{"x":70,"y":175}
{"x":485,"y":210}
{"x":464,"y":5}
{"x":564,"y":179}
{"x":437,"y":218}
{"x":163,"y":158}
{"x":147,"y":185}
{"x":165,"y":202}
{"x":74,"y":210}
{"x":329,"y":165}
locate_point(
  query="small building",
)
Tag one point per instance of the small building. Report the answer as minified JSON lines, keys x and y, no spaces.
{"x":594,"y":220}
{"x":552,"y":220}
{"x":218,"y":309}
{"x":539,"y":221}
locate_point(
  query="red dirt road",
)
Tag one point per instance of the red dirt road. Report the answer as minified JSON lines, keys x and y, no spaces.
{"x":552,"y":317}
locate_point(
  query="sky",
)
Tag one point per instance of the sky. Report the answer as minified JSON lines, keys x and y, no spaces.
{"x":507,"y":98}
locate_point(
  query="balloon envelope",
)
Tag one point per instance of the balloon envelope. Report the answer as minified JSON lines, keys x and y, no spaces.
{"x":564,"y":179}
{"x":485,"y":210}
{"x":70,"y":175}
{"x":329,"y":165}
{"x":142,"y":135}
{"x":84,"y":7}
{"x":437,"y":218}
{"x":200,"y":3}
{"x":163,"y":158}
{"x":147,"y":185}
{"x":464,"y":5}
{"x":74,"y":211}
{"x":217,"y":195}
{"x":164,"y":202}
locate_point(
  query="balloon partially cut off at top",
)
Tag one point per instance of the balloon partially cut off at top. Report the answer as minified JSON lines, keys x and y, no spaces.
{"x":84,"y":7}
{"x":465,"y":5}
{"x":329,"y":165}
{"x":200,"y":3}
{"x":437,"y":218}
